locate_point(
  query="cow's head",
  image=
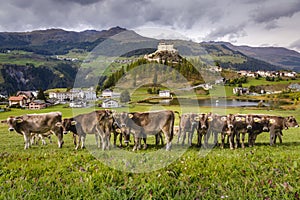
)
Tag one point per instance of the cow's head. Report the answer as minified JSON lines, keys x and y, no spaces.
{"x":121,"y":119}
{"x":249,"y":121}
{"x":263,"y":121}
{"x":229,"y":123}
{"x":13,"y":122}
{"x":203,"y":121}
{"x":290,"y":121}
{"x":194,"y":120}
{"x":68,"y":124}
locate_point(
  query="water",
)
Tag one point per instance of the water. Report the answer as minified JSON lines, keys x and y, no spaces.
{"x":213,"y":102}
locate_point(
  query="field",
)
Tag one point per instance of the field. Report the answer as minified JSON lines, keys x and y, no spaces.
{"x":46,"y":172}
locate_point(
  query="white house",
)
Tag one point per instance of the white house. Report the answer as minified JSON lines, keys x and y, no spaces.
{"x":164,"y":93}
{"x":110,"y":103}
{"x":78,"y":104}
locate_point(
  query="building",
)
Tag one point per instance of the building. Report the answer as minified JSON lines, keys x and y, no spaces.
{"x":163,"y":52}
{"x":17,"y":101}
{"x":164,"y":93}
{"x":294,"y":87}
{"x":166,"y":47}
{"x":107,"y":93}
{"x":37,"y":104}
{"x":110,"y":103}
{"x":240,"y":91}
{"x":73,"y":94}
{"x":78,"y":104}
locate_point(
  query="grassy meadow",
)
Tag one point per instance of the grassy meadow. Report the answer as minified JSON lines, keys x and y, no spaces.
{"x":46,"y":172}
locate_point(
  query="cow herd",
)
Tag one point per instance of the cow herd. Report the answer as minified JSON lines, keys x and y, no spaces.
{"x":102,"y":123}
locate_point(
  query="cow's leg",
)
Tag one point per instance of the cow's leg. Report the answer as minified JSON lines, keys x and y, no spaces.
{"x":272,"y":137}
{"x":179,"y":135}
{"x":136,"y":143}
{"x":199,"y":138}
{"x":115,"y":139}
{"x":190,"y":138}
{"x":120,"y":139}
{"x":222,"y":140}
{"x":26,"y":140}
{"x":183,"y":136}
{"x":280,"y":136}
{"x":237,"y":139}
{"x":82,"y":140}
{"x":231,"y":141}
{"x":168,"y":136}
{"x":243,"y":140}
{"x":161,"y":139}
{"x":216,"y":139}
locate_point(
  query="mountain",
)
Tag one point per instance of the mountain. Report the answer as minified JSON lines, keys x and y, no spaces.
{"x":279,"y":56}
{"x":25,"y":70}
{"x":54,"y":41}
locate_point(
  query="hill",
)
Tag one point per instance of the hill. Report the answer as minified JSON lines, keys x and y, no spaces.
{"x":278,"y":56}
{"x":97,"y":52}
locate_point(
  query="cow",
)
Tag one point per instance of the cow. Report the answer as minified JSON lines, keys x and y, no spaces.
{"x":28,"y":124}
{"x":188,"y":123}
{"x":202,"y":129}
{"x":98,"y":123}
{"x":142,"y":124}
{"x":277,"y":124}
{"x":260,"y":123}
{"x":221,"y":124}
{"x":242,"y":125}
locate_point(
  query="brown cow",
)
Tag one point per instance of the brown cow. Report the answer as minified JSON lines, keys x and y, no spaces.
{"x":38,"y":124}
{"x":147,"y":123}
{"x":97,"y":122}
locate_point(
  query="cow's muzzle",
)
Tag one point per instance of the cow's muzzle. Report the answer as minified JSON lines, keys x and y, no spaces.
{"x":123,"y":125}
{"x":230,"y":126}
{"x":249,"y":127}
{"x":265,"y":129}
{"x":65,"y":132}
{"x":203,"y":127}
{"x":11,"y":129}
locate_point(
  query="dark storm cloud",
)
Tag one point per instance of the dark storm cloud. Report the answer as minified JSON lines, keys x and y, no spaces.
{"x":230,"y":31}
{"x":295,"y":45}
{"x":82,"y":2}
{"x":209,"y":19}
{"x":275,"y":10}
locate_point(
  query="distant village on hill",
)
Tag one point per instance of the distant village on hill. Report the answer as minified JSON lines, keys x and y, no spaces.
{"x":78,"y":98}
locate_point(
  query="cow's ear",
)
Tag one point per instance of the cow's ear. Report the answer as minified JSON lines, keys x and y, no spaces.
{"x":257,"y":119}
{"x":243,"y":119}
{"x":118,"y":130}
{"x":58,"y":124}
{"x":272,"y":121}
{"x":73,"y":123}
{"x":4,"y":121}
{"x":238,"y":119}
{"x":209,"y":119}
{"x":197,"y":118}
{"x":130,"y":116}
{"x":224,"y":119}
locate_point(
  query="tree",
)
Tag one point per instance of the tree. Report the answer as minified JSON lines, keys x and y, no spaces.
{"x":125,"y":96}
{"x":41,"y":95}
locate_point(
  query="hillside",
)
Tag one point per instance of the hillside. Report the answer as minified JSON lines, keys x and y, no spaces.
{"x":97,"y":51}
{"x":278,"y":56}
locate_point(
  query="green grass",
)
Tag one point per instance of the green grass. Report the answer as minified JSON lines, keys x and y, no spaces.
{"x":262,"y":81}
{"x":46,"y":172}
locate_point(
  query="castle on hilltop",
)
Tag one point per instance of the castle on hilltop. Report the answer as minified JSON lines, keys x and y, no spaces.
{"x":164,"y":52}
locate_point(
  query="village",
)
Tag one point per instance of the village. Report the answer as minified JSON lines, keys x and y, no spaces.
{"x":80,"y":97}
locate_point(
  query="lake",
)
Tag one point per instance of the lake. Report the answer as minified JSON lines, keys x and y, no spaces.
{"x":212,"y":102}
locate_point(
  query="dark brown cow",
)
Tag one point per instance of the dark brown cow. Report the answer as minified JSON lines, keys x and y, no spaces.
{"x":260,"y":123}
{"x":277,"y":124}
{"x":202,"y":129}
{"x":147,"y":123}
{"x":242,"y":125}
{"x":97,"y":122}
{"x":38,"y":124}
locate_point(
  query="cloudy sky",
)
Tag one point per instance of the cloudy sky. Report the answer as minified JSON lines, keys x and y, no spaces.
{"x":242,"y":22}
